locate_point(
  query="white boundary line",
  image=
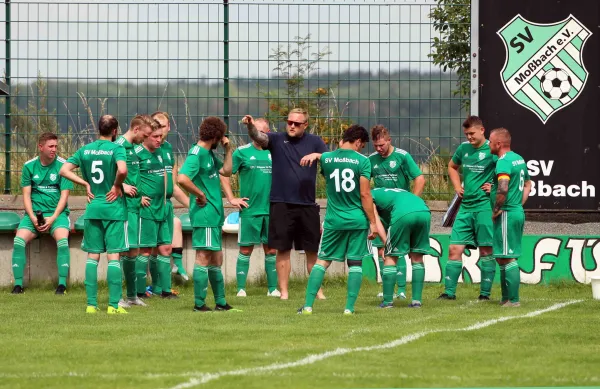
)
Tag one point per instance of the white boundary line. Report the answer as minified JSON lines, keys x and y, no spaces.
{"x":309,"y":360}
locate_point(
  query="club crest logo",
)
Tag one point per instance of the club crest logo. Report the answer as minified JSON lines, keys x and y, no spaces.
{"x":481,"y":156}
{"x":52,"y":177}
{"x":392,"y":164}
{"x":160,"y":159}
{"x":544,"y":70}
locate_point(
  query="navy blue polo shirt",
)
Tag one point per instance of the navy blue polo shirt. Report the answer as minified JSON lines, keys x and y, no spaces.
{"x":292,"y":183}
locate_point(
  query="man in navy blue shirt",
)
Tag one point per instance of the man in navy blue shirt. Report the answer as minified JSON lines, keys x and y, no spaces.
{"x":294,"y":215}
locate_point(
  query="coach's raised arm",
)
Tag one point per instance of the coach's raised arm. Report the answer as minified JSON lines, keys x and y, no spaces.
{"x":294,"y":213}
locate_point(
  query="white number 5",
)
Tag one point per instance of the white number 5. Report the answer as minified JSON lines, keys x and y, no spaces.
{"x":96,"y":169}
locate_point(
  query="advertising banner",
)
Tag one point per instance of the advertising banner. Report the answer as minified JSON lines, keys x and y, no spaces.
{"x":539,"y":66}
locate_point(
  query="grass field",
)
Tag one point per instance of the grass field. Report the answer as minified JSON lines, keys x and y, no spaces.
{"x":553,"y":339}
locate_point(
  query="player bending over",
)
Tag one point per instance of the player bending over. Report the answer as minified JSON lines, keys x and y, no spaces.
{"x":408,"y":218}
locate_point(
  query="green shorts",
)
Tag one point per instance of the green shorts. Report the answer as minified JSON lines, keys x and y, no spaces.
{"x":508,"y":233}
{"x":133,"y":229}
{"x":207,"y":238}
{"x":253,"y":230}
{"x":154,"y":233}
{"x":62,"y":221}
{"x":339,"y":245}
{"x":170,"y":216}
{"x":472,"y":229}
{"x":409,"y":234}
{"x":105,"y":236}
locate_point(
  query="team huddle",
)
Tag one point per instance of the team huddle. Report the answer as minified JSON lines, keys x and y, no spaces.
{"x":130,"y":181}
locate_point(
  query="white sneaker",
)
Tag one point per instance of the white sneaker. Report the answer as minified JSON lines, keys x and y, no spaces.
{"x":174,"y":269}
{"x":137,"y":301}
{"x":274,"y":293}
{"x":241,"y":293}
{"x":400,"y":296}
{"x":185,"y":277}
{"x":380,"y":294}
{"x":348,"y":312}
{"x":124,"y":304}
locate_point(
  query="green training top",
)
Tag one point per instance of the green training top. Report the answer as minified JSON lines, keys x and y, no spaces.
{"x":167,"y":156}
{"x":152,"y":183}
{"x":97,"y":162}
{"x":254,"y":167}
{"x":342,"y":169}
{"x":512,"y":165}
{"x":393,"y":203}
{"x":396,"y":170}
{"x":202,"y":167}
{"x":478,"y":169}
{"x":133,"y":173}
{"x":46,"y":184}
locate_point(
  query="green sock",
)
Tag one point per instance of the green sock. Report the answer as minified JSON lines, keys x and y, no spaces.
{"x":488,"y":272}
{"x":418,"y":278}
{"x":513,"y":281}
{"x":141,"y":266}
{"x":354,"y":282}
{"x":154,"y":274}
{"x":241,"y":270}
{"x":453,"y":270}
{"x":178,"y":261}
{"x":389,"y":281}
{"x":315,"y":279}
{"x":128,"y":265}
{"x":200,"y":277}
{"x":217,"y":284}
{"x":18,"y":260}
{"x":401,"y":275}
{"x":91,"y":282}
{"x":271,"y":270}
{"x":114,"y":278}
{"x":381,"y":268}
{"x":63,"y":259}
{"x":164,"y":273}
{"x":503,"y":282}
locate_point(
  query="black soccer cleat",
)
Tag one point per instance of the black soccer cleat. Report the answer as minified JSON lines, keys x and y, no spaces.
{"x":168,"y":296}
{"x":203,"y":308}
{"x":18,"y":289}
{"x":225,"y":307}
{"x":61,"y":290}
{"x":483,"y":298}
{"x":446,"y":296}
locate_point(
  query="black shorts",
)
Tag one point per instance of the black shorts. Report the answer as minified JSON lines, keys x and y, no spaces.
{"x":294,"y":225}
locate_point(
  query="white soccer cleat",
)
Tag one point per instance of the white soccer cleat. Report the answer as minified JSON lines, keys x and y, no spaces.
{"x":400,"y":296}
{"x":137,"y":301}
{"x":174,"y":269}
{"x":241,"y":293}
{"x":124,"y":304}
{"x":380,"y":294}
{"x":274,"y":293}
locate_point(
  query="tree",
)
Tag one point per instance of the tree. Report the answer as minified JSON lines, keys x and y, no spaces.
{"x":294,"y":67}
{"x":452,"y":19}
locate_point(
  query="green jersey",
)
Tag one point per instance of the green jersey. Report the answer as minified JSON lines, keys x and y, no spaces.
{"x":342,"y":169}
{"x":396,"y":170}
{"x":202,"y":167}
{"x":133,"y":173}
{"x":478,"y":169}
{"x":46,"y":184}
{"x":97,"y":162}
{"x":152,"y":183}
{"x":392,"y":204}
{"x":254,"y":167}
{"x":512,"y":166}
{"x":168,"y":159}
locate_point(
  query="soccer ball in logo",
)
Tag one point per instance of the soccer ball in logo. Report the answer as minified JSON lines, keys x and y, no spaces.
{"x":556,"y":84}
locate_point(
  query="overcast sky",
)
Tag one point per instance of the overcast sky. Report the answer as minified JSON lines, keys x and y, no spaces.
{"x":162,"y":40}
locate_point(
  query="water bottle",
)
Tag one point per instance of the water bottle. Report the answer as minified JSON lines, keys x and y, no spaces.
{"x":40,"y":218}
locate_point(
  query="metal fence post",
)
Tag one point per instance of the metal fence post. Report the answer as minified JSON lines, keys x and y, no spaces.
{"x":226,"y":63}
{"x":474,"y":57}
{"x":7,"y":105}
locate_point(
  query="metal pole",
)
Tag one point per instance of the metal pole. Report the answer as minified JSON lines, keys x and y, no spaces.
{"x":7,"y":105}
{"x":226,"y":63}
{"x":474,"y":57}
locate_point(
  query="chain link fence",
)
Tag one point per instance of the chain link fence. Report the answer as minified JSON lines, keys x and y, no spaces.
{"x":347,"y":62}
